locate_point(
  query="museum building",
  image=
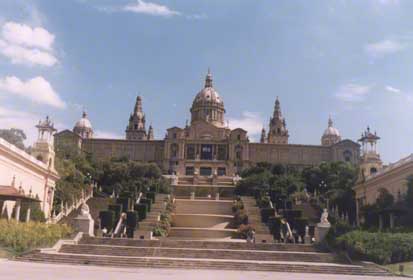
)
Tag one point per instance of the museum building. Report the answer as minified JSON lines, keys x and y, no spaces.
{"x":207,"y":146}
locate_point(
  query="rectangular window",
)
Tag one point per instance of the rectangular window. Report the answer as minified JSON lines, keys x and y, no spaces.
{"x":189,"y":170}
{"x":190,"y":152}
{"x":222,"y":152}
{"x":205,"y":171}
{"x":206,"y":152}
{"x":221,"y":171}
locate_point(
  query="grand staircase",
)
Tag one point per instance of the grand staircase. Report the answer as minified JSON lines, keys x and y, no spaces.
{"x":201,"y":237}
{"x":200,"y":219}
{"x":218,"y":255}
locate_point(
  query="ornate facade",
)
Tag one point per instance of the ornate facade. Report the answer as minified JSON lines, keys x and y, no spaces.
{"x":374,"y":176}
{"x":207,"y":146}
{"x":33,"y":175}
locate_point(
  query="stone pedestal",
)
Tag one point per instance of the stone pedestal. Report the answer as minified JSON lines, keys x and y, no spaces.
{"x":192,"y":196}
{"x":321,"y":231}
{"x":85,"y":224}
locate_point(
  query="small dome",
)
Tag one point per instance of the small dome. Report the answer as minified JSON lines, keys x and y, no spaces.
{"x":208,"y":94}
{"x":330,"y":130}
{"x":83,"y":122}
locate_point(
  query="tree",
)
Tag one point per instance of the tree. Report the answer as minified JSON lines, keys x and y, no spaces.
{"x":14,"y":136}
{"x":385,"y":199}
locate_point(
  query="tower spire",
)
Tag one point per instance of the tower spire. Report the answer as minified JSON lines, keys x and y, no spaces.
{"x":138,"y":105}
{"x":208,"y":79}
{"x":330,"y":121}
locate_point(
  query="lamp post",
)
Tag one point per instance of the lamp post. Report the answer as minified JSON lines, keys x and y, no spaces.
{"x":323,"y":188}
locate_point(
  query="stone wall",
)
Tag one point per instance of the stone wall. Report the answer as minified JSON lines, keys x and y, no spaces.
{"x":146,"y":151}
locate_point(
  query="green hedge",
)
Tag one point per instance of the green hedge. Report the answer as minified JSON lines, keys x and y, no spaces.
{"x":142,"y":209}
{"x":266,"y":213}
{"x":20,"y":237}
{"x":382,"y":248}
{"x":125,"y":202}
{"x":107,"y":219}
{"x":146,"y":201}
{"x":117,"y":209}
{"x":151,"y":196}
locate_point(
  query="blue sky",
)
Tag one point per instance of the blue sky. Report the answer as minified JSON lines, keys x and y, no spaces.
{"x":352,"y":60}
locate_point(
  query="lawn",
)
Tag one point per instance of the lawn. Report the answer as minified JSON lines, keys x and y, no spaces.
{"x":408,"y":268}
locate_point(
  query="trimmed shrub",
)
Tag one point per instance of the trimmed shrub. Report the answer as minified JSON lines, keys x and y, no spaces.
{"x":266,"y":213}
{"x":117,"y":209}
{"x":151,"y":196}
{"x":299,"y":225}
{"x":107,"y":219}
{"x":142,"y":209}
{"x":338,"y":229}
{"x":274,"y":225}
{"x":21,"y":237}
{"x":146,"y":201}
{"x":292,"y":214}
{"x":125,"y":202}
{"x":382,"y":248}
{"x":131,"y":223}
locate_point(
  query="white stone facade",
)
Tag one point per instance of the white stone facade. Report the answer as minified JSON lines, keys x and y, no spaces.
{"x":18,"y":168}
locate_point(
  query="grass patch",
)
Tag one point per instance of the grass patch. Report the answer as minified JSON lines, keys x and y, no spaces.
{"x":408,"y":268}
{"x":17,"y":238}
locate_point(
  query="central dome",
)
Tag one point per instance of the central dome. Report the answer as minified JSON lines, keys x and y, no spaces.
{"x":208,"y":93}
{"x":208,"y":106}
{"x":83,"y":127}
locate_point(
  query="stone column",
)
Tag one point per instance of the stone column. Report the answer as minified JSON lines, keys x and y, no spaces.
{"x":18,"y":206}
{"x":28,"y":214}
{"x":380,"y":222}
{"x":391,"y":220}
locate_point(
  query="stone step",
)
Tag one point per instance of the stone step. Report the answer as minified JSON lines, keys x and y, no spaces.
{"x":194,"y":233}
{"x":128,"y":251}
{"x":241,"y":265}
{"x":165,"y":243}
{"x":216,"y":207}
{"x":201,"y":220}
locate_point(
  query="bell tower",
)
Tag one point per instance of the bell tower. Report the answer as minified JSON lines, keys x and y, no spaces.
{"x":136,"y":128}
{"x":43,"y":148}
{"x":278,"y":133}
{"x":370,"y":161}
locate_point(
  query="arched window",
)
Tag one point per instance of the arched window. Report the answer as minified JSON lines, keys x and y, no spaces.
{"x":373,"y":170}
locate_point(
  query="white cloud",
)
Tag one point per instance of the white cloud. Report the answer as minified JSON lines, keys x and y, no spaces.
{"x":150,"y":8}
{"x":23,"y":44}
{"x":384,"y":47}
{"x":352,"y":92}
{"x":22,"y":55}
{"x":249,"y":121}
{"x":24,"y":35}
{"x":392,"y":89}
{"x":10,"y":118}
{"x":36,"y":89}
{"x":107,"y":135}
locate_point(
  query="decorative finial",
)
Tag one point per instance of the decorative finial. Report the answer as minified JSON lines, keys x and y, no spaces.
{"x":208,"y":79}
{"x":330,"y":121}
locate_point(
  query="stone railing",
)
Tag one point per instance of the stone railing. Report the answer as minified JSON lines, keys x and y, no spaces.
{"x":66,"y":209}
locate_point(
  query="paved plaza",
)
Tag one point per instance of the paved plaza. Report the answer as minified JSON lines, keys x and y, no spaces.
{"x":11,"y":270}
